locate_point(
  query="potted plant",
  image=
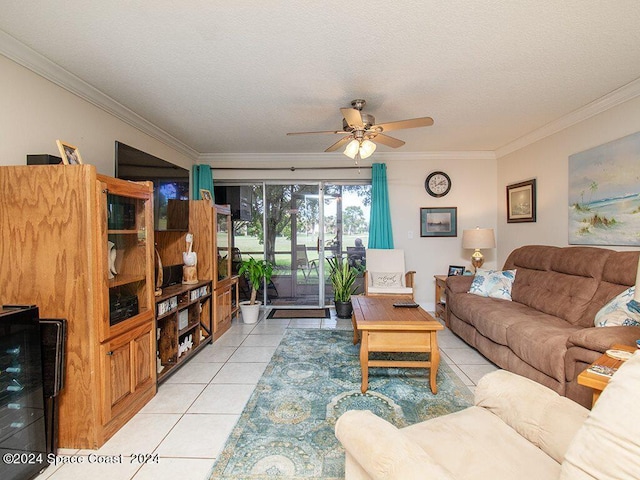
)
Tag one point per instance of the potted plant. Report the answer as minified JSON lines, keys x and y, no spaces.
{"x":342,"y":277}
{"x":256,"y":271}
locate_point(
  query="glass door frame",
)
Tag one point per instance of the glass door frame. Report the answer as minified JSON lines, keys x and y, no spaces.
{"x":320,"y":185}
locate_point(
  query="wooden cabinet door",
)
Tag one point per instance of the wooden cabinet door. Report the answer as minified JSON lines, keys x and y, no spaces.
{"x":223,"y":308}
{"x":127,"y":369}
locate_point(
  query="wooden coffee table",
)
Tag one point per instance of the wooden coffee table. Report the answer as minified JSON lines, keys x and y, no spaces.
{"x":381,"y":327}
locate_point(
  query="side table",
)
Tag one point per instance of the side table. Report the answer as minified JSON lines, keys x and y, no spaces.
{"x":599,"y":382}
{"x":440,"y":299}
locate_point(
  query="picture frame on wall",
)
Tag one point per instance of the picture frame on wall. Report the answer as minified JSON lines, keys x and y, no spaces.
{"x":521,"y":202}
{"x":70,"y":154}
{"x":439,"y":222}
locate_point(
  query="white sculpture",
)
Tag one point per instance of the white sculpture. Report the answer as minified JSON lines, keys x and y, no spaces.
{"x":190,"y":259}
{"x":112,"y":259}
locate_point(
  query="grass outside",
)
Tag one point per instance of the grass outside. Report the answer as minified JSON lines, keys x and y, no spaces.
{"x":250,"y":246}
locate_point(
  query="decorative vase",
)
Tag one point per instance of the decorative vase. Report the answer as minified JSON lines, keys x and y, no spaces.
{"x":344,"y":309}
{"x":250,"y":313}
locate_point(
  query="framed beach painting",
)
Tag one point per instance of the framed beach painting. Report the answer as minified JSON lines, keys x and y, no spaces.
{"x":604,"y":194}
{"x":439,"y":222}
{"x":521,"y":202}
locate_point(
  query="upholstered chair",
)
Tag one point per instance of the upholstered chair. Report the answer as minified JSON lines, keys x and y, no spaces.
{"x":386,"y":273}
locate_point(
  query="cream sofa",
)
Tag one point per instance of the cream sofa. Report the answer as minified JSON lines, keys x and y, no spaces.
{"x":517,"y":429}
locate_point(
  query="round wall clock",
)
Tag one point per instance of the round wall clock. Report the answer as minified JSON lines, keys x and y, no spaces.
{"x":437,"y":184}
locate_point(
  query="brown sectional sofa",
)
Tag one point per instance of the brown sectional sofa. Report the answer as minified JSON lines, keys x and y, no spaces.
{"x":547,"y":333}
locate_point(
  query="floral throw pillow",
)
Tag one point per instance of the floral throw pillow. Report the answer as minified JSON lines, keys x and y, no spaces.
{"x":618,"y":312}
{"x":493,"y":283}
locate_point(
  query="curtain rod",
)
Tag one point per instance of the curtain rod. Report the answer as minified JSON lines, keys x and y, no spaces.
{"x":293,"y":169}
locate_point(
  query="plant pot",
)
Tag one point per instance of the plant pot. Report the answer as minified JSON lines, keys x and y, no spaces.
{"x":250,"y":313}
{"x":344,"y":309}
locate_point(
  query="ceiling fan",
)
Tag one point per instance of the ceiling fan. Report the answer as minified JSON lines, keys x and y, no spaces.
{"x":361,"y":131}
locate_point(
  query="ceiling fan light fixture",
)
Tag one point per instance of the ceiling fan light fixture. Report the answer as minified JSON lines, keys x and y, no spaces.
{"x":352,"y":148}
{"x":367,"y":148}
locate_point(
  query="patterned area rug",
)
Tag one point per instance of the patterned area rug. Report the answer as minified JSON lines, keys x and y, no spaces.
{"x":299,"y":313}
{"x":287,"y":428}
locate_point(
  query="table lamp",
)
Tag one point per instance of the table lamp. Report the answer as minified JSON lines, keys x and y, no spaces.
{"x":477,"y":239}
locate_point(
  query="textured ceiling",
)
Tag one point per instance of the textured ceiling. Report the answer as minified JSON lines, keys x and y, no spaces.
{"x":235,"y":76}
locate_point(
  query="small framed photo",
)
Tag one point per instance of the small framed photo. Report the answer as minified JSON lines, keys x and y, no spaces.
{"x":439,"y":222}
{"x":521,"y":202}
{"x":70,"y":154}
{"x":455,"y":271}
{"x":205,"y":194}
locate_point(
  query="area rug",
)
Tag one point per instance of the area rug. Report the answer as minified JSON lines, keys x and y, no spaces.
{"x":299,"y":313}
{"x":286,"y":430}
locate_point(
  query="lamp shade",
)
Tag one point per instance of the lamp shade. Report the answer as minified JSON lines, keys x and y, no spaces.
{"x":352,"y":148}
{"x":367,"y":148}
{"x":478,"y":238}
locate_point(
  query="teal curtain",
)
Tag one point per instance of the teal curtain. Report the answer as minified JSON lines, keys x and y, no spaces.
{"x":202,"y":180}
{"x":380,"y":232}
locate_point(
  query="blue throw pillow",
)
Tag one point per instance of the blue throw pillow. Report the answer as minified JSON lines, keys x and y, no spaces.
{"x":493,"y":283}
{"x":618,"y":312}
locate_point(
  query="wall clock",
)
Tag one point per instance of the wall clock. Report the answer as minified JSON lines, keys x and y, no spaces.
{"x":437,"y":184}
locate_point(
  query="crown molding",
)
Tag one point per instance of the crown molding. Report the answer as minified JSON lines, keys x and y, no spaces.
{"x":623,"y":94}
{"x":338,"y":158}
{"x":41,"y":65}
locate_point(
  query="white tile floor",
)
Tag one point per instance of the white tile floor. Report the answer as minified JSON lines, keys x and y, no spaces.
{"x":187,"y":423}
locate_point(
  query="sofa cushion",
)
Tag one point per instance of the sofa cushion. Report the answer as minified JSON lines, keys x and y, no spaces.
{"x":476,"y":444}
{"x":607,"y":446}
{"x":617,"y":312}
{"x":542,"y":344}
{"x":490,"y":316}
{"x":557,"y":281}
{"x":493,"y":283}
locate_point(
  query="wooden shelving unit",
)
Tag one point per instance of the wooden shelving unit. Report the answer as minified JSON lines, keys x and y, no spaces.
{"x":211,"y":228}
{"x":56,"y":222}
{"x":183,"y":317}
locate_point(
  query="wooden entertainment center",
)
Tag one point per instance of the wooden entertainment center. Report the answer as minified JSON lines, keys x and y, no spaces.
{"x":80,"y":246}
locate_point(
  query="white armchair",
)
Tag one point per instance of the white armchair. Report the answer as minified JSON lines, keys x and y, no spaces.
{"x":517,"y":429}
{"x":386,"y":274}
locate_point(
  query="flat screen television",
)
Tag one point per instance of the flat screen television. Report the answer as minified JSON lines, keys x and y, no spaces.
{"x":170,"y":182}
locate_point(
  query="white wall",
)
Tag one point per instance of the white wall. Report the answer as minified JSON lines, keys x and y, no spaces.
{"x":35,"y":112}
{"x":547,"y":162}
{"x":473,"y":193}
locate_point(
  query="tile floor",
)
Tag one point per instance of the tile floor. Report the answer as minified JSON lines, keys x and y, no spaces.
{"x":187,"y":423}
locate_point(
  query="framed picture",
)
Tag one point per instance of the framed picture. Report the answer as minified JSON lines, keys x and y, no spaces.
{"x":439,"y":222}
{"x":455,"y":270}
{"x":604,"y":194}
{"x":521,"y":202}
{"x":205,"y":194}
{"x":70,"y":154}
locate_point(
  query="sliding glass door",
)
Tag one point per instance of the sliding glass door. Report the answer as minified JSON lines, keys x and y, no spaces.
{"x":297,"y":226}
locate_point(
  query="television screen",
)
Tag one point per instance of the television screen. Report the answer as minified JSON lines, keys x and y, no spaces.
{"x":170,"y":182}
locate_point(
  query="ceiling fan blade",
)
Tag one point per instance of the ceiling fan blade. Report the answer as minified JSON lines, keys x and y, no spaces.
{"x":338,"y":144}
{"x":400,"y":124}
{"x":388,"y":141}
{"x":353,"y":117}
{"x":310,"y":133}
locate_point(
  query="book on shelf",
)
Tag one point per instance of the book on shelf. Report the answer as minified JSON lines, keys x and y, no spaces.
{"x":602,"y":370}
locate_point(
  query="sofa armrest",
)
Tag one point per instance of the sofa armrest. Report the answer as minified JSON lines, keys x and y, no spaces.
{"x":536,"y":412}
{"x":459,"y":283}
{"x":377,"y":448}
{"x":600,"y":339}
